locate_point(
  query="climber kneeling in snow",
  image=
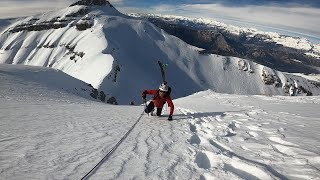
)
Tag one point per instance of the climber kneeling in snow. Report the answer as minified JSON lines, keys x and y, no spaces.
{"x":161,"y":96}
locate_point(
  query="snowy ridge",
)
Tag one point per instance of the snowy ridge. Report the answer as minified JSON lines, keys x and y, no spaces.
{"x":37,"y":82}
{"x":213,"y":136}
{"x":293,"y":42}
{"x":118,"y":54}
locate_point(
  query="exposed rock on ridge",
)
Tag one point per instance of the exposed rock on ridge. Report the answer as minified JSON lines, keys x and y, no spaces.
{"x":92,"y":2}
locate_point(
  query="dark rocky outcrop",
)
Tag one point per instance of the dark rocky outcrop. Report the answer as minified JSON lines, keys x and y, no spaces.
{"x":38,"y":27}
{"x":271,"y":79}
{"x":84,"y":25}
{"x":100,"y":95}
{"x":92,"y":2}
{"x":112,"y":100}
{"x":54,"y":23}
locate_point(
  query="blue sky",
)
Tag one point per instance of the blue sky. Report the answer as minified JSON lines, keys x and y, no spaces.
{"x":292,"y":17}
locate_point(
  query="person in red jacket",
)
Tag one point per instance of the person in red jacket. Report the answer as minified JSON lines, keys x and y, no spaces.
{"x":160,"y":97}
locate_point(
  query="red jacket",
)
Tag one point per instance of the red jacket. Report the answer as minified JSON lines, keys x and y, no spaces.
{"x":159,"y":101}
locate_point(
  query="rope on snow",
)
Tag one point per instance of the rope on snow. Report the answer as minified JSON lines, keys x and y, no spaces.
{"x":95,"y":168}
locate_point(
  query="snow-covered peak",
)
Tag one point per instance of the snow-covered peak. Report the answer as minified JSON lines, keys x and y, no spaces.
{"x":103,"y":7}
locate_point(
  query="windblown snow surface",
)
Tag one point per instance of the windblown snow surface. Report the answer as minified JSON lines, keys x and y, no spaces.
{"x":48,"y":132}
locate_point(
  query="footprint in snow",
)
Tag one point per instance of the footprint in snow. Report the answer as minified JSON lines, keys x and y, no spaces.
{"x":207,"y":160}
{"x":193,"y":128}
{"x":234,"y":125}
{"x":195,"y":139}
{"x":202,"y":160}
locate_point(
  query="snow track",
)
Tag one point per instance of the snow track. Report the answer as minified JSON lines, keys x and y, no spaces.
{"x":48,"y":133}
{"x":139,"y":156}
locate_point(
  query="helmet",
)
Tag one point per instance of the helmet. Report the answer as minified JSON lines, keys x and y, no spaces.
{"x":163,"y":87}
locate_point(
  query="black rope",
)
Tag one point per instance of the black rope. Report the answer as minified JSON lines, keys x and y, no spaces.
{"x":94,"y":169}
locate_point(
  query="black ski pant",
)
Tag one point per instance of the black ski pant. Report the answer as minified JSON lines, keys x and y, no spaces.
{"x":150,"y":108}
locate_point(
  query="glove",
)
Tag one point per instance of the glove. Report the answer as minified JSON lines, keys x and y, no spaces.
{"x":170,"y":118}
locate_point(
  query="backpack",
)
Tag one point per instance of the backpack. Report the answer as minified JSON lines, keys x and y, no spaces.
{"x":168,"y":93}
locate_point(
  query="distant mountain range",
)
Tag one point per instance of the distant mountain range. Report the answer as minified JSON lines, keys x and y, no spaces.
{"x":117,"y":54}
{"x":283,"y":53}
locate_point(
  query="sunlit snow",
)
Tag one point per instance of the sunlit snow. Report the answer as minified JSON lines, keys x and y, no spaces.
{"x":51,"y":128}
{"x":51,"y":133}
{"x":116,"y":47}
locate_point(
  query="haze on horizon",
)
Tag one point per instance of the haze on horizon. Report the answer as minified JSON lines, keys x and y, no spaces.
{"x":292,"y":17}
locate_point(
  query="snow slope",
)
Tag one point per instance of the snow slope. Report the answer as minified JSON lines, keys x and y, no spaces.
{"x":118,"y":54}
{"x":48,"y":133}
